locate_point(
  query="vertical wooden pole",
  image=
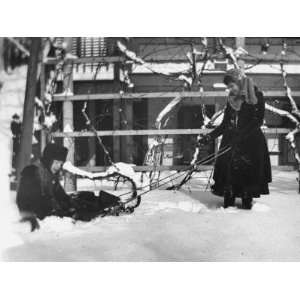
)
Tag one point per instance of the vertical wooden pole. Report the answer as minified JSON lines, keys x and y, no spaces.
{"x":127,"y":118}
{"x":28,"y":111}
{"x":127,"y":141}
{"x":240,"y":42}
{"x":43,"y":140}
{"x":91,"y":140}
{"x":1,"y":54}
{"x":150,"y":121}
{"x":116,"y":126}
{"x":70,"y":180}
{"x":218,"y":140}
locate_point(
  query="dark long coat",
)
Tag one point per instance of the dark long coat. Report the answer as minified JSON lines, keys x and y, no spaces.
{"x":40,"y":192}
{"x":246,"y":167}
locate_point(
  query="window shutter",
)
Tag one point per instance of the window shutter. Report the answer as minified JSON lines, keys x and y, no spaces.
{"x":90,"y":46}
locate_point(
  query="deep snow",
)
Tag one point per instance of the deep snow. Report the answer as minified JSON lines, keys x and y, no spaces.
{"x":175,"y":226}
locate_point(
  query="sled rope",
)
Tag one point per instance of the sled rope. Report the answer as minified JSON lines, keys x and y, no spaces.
{"x":175,"y":176}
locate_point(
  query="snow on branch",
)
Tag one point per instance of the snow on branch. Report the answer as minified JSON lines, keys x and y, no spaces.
{"x":118,"y":168}
{"x":166,"y":110}
{"x":282,"y":113}
{"x":19,"y":46}
{"x":130,"y":54}
{"x":295,"y":109}
{"x":138,"y":60}
{"x":217,"y":118}
{"x":232,"y":54}
{"x":291,"y":135}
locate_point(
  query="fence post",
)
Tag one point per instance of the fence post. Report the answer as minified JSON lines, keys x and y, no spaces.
{"x":70,"y":180}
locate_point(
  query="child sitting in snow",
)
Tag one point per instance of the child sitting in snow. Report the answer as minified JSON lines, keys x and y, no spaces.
{"x":40,"y":193}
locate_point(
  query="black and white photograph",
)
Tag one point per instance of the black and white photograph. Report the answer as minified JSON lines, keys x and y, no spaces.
{"x":150,"y":147}
{"x":150,"y":142}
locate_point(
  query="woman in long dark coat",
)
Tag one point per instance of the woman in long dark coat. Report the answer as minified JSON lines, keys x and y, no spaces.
{"x":245,"y":170}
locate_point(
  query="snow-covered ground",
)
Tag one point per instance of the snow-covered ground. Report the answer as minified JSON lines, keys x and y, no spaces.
{"x":187,"y":225}
{"x":11,"y":101}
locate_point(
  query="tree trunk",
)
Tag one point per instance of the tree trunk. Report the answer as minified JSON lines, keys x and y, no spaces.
{"x":1,"y":54}
{"x":25,"y":150}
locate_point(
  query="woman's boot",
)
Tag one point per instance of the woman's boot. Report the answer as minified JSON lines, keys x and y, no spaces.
{"x":246,"y":200}
{"x":229,"y":199}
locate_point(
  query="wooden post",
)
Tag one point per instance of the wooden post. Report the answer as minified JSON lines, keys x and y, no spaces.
{"x":43,"y":140}
{"x":25,"y":150}
{"x":217,"y":140}
{"x":70,"y":180}
{"x":116,"y":126}
{"x":91,"y":140}
{"x":127,"y":141}
{"x":1,"y":54}
{"x":240,"y":42}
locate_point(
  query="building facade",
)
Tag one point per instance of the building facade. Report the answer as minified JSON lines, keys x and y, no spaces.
{"x":135,"y":93}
